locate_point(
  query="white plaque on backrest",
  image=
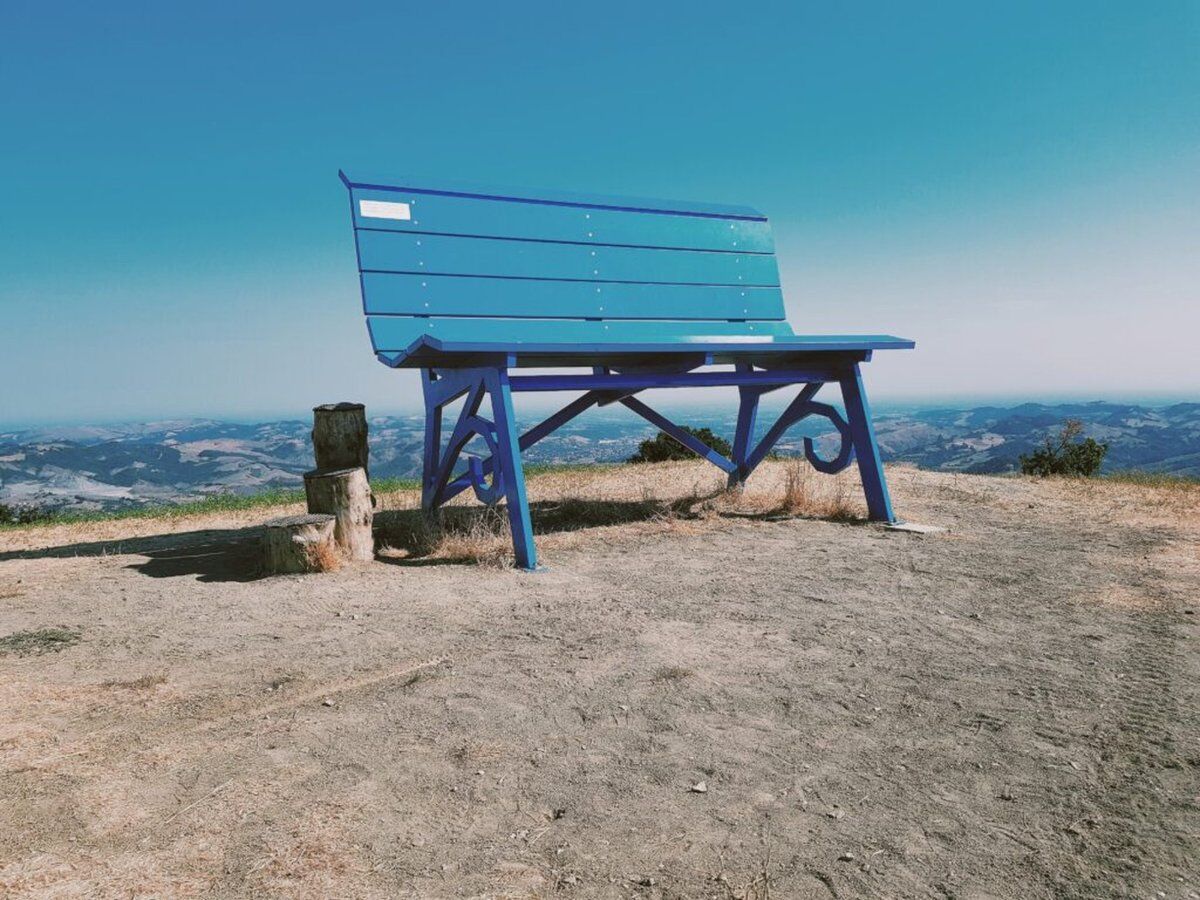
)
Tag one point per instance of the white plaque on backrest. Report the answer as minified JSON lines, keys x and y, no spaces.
{"x":382,"y":209}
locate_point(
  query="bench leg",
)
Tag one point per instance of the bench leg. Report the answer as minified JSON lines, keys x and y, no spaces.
{"x":866,"y":450}
{"x":508,"y":457}
{"x":433,"y":442}
{"x":744,"y":434}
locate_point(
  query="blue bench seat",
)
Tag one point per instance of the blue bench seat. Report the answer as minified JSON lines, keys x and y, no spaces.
{"x":467,"y":282}
{"x":398,"y":343}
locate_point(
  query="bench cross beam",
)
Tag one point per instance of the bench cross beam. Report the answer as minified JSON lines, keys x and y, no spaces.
{"x":503,"y":463}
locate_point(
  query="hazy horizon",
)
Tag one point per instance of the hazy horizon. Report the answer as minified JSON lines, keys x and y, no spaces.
{"x":663,"y":399}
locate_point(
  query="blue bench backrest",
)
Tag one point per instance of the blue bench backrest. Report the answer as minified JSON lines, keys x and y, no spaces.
{"x":432,"y":252}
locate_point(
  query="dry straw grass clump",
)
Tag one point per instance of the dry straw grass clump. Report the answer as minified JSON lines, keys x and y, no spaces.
{"x":323,"y":558}
{"x":793,"y":489}
{"x":802,"y":498}
{"x":39,"y":641}
{"x":625,"y":501}
{"x":452,"y":534}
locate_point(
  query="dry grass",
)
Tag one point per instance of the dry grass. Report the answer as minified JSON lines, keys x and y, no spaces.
{"x":564,"y":503}
{"x":39,"y":641}
{"x":627,"y":502}
{"x":453,"y":534}
{"x":624,"y":502}
{"x":673,"y":673}
{"x":1131,"y":498}
{"x":802,"y":498}
{"x":145,"y":683}
{"x":323,"y":558}
{"x":792,"y":489}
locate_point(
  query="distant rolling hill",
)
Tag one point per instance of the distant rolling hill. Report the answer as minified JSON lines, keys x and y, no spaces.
{"x":111,"y":467}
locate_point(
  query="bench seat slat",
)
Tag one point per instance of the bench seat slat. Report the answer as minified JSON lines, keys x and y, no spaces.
{"x":400,"y":336}
{"x":433,"y":295}
{"x":438,"y":214}
{"x":391,"y":251}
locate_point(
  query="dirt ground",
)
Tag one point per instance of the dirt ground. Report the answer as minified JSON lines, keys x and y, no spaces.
{"x":713,"y":700}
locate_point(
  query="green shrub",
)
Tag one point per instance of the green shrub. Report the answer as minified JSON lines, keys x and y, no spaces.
{"x":1066,"y":454}
{"x":21,"y":515}
{"x":663,"y":447}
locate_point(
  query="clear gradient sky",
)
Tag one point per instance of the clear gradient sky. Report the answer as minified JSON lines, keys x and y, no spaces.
{"x":1015,"y":185}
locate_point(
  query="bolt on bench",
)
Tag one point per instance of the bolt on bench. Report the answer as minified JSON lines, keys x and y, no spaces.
{"x":468,"y":283}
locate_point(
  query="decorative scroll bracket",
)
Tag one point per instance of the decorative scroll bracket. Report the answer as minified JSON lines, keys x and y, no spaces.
{"x":486,"y":493}
{"x":800,"y":408}
{"x":845,"y":454}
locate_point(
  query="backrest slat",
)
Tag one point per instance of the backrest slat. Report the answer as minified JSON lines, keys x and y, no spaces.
{"x":452,"y":295}
{"x":390,"y":251}
{"x":468,"y":216}
{"x":428,"y":251}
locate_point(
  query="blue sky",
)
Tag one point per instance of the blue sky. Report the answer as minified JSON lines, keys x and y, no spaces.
{"x":1014,"y":185}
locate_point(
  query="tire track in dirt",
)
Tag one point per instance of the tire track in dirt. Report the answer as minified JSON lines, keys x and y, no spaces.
{"x":153,"y":754}
{"x":1131,"y":804}
{"x":232,"y":716}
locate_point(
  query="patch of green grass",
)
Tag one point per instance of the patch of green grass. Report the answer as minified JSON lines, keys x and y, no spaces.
{"x":39,"y":641}
{"x":217,"y":503}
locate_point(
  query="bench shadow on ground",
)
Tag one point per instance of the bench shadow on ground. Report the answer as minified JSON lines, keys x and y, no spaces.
{"x":467,"y":535}
{"x":464,"y":535}
{"x":456,"y":536}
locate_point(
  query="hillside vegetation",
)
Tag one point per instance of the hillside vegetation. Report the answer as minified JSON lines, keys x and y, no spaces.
{"x":125,"y":467}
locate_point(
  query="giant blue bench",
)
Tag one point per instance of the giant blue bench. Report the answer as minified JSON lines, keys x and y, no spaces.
{"x":468,"y":283}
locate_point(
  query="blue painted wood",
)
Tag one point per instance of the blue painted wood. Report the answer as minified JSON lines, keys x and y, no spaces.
{"x":846,"y":449}
{"x":485,"y":492}
{"x":530,"y":437}
{"x":399,"y":183}
{"x":866,"y":448}
{"x":622,"y":382}
{"x":510,"y":470}
{"x":748,"y":398}
{"x":433,"y":439}
{"x":464,"y":429}
{"x":390,"y":251}
{"x":450,"y":384}
{"x":432,"y":295}
{"x":498,"y":216}
{"x":693,"y":443}
{"x":400,"y":334}
{"x":786,"y":420}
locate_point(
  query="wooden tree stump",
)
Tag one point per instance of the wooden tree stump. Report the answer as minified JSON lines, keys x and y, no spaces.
{"x":296,"y":544}
{"x":345,"y":494}
{"x":339,"y":436}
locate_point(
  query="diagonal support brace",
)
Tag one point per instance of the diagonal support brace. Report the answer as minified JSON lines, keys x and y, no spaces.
{"x":696,"y":445}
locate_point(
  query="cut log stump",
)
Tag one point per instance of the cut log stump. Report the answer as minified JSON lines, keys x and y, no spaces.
{"x":296,"y":544}
{"x":339,"y":436}
{"x":346,"y":495}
